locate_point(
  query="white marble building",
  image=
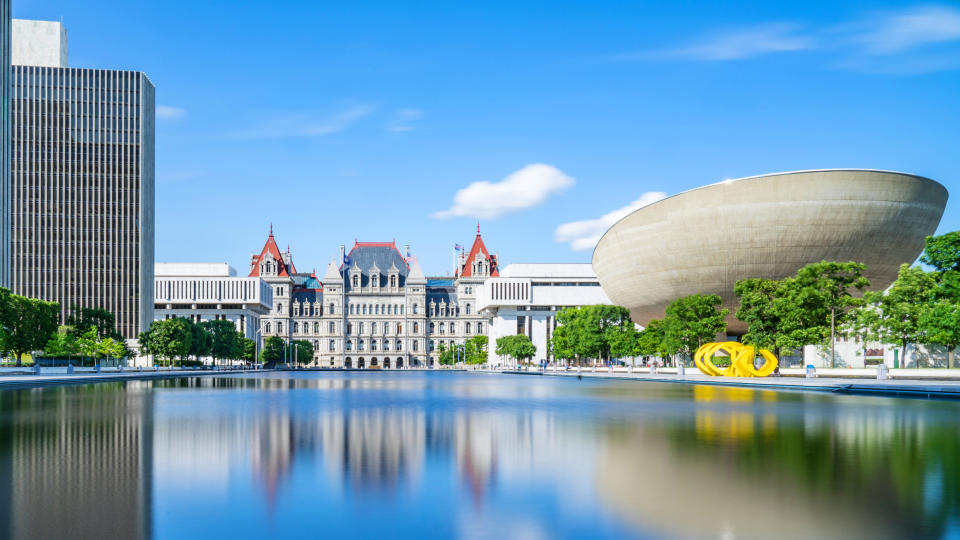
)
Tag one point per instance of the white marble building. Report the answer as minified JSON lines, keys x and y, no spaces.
{"x":210,"y":291}
{"x":525,"y":299}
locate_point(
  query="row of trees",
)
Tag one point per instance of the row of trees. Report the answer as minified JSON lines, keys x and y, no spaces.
{"x":598,"y":332}
{"x":821,"y":302}
{"x":473,"y":351}
{"x":88,"y":333}
{"x":276,"y":351}
{"x":518,"y":347}
{"x":177,"y":339}
{"x":921,"y":306}
{"x":25,"y":323}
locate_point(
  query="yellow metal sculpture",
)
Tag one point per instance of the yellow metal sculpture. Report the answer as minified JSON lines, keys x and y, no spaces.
{"x":741,"y":360}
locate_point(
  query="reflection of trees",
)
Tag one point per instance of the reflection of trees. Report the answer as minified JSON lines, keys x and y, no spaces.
{"x":899,"y":463}
{"x":76,"y":461}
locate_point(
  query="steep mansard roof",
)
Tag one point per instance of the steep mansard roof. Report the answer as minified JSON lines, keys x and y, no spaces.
{"x":284,"y":261}
{"x":367,"y":256}
{"x":479,"y":249}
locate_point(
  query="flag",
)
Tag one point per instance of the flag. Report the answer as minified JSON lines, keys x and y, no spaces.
{"x":458,"y":247}
{"x":346,"y":259}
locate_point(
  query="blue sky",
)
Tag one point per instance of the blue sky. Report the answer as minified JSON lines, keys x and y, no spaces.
{"x":344,"y":120}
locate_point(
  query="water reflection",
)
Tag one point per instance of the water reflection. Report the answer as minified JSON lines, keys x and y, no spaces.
{"x":472,"y":456}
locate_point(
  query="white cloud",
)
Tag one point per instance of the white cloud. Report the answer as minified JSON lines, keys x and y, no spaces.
{"x":522,"y":189}
{"x":744,"y":43}
{"x":404,"y":119}
{"x":891,"y":33}
{"x":915,"y":40}
{"x":308,"y":124}
{"x":167,"y":112}
{"x":585,"y":234}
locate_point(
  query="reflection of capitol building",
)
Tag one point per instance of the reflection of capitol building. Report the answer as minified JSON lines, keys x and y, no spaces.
{"x":79,"y":462}
{"x":373,"y":447}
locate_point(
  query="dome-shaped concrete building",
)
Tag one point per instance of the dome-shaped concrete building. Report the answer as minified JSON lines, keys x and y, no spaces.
{"x":706,"y":239}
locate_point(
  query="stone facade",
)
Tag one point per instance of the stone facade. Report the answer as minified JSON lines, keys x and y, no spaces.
{"x":374,"y":308}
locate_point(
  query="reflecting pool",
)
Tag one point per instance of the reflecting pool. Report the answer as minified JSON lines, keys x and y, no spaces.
{"x":452,"y":455}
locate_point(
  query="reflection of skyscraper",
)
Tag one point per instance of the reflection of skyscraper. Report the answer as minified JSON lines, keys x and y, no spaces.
{"x":77,"y":471}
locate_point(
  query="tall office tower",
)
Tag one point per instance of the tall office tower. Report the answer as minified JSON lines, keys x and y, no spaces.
{"x":5,"y":143}
{"x":82,"y":181}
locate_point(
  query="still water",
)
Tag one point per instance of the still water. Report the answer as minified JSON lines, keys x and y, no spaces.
{"x":445,"y":455}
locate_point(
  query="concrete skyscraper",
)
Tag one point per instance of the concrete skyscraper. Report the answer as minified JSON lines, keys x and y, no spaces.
{"x":5,"y":44}
{"x":82,"y":181}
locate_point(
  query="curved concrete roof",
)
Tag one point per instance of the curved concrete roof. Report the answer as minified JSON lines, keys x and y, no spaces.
{"x":706,"y":239}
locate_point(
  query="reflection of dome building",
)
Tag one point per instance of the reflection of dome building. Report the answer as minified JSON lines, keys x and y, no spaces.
{"x":706,"y":239}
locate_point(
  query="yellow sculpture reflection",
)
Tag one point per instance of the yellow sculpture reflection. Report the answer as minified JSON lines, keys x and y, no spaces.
{"x":741,"y":360}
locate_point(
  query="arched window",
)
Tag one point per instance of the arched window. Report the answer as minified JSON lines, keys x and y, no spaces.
{"x":416,"y":346}
{"x":333,"y":345}
{"x":349,"y":345}
{"x":399,"y":329}
{"x":349,"y":328}
{"x":393,"y":281}
{"x":360,"y":345}
{"x":351,"y":309}
{"x":432,"y":328}
{"x":360,"y":328}
{"x":364,"y":309}
{"x":468,"y":309}
{"x":415,"y":309}
{"x":316,"y":328}
{"x":296,"y":327}
{"x":373,"y":344}
{"x":376,"y":309}
{"x":416,"y":328}
{"x":316,"y":345}
{"x":432,"y":345}
{"x":279,"y":327}
{"x":401,"y":309}
{"x":479,"y":327}
{"x":386,"y":344}
{"x":373,"y":328}
{"x":332,"y":311}
{"x":266,"y":328}
{"x":331,"y":327}
{"x":399,"y":345}
{"x":467,"y":328}
{"x":356,"y":280}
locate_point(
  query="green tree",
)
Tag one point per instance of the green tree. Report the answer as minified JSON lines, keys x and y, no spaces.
{"x":27,"y":323}
{"x":895,"y":315}
{"x":249,"y":348}
{"x":272,"y":352}
{"x":83,"y":319}
{"x":651,"y":340}
{"x":111,"y":348}
{"x":201,"y":340}
{"x":832,"y":286}
{"x":87,"y":344}
{"x":692,"y":321}
{"x":560,"y":344}
{"x":225,"y":341}
{"x":477,"y":350}
{"x":623,"y":341}
{"x":518,"y":347}
{"x":942,"y":252}
{"x":62,"y":344}
{"x":302,"y":351}
{"x":444,"y":354}
{"x":167,"y":339}
{"x":759,"y":310}
{"x":940,"y":324}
